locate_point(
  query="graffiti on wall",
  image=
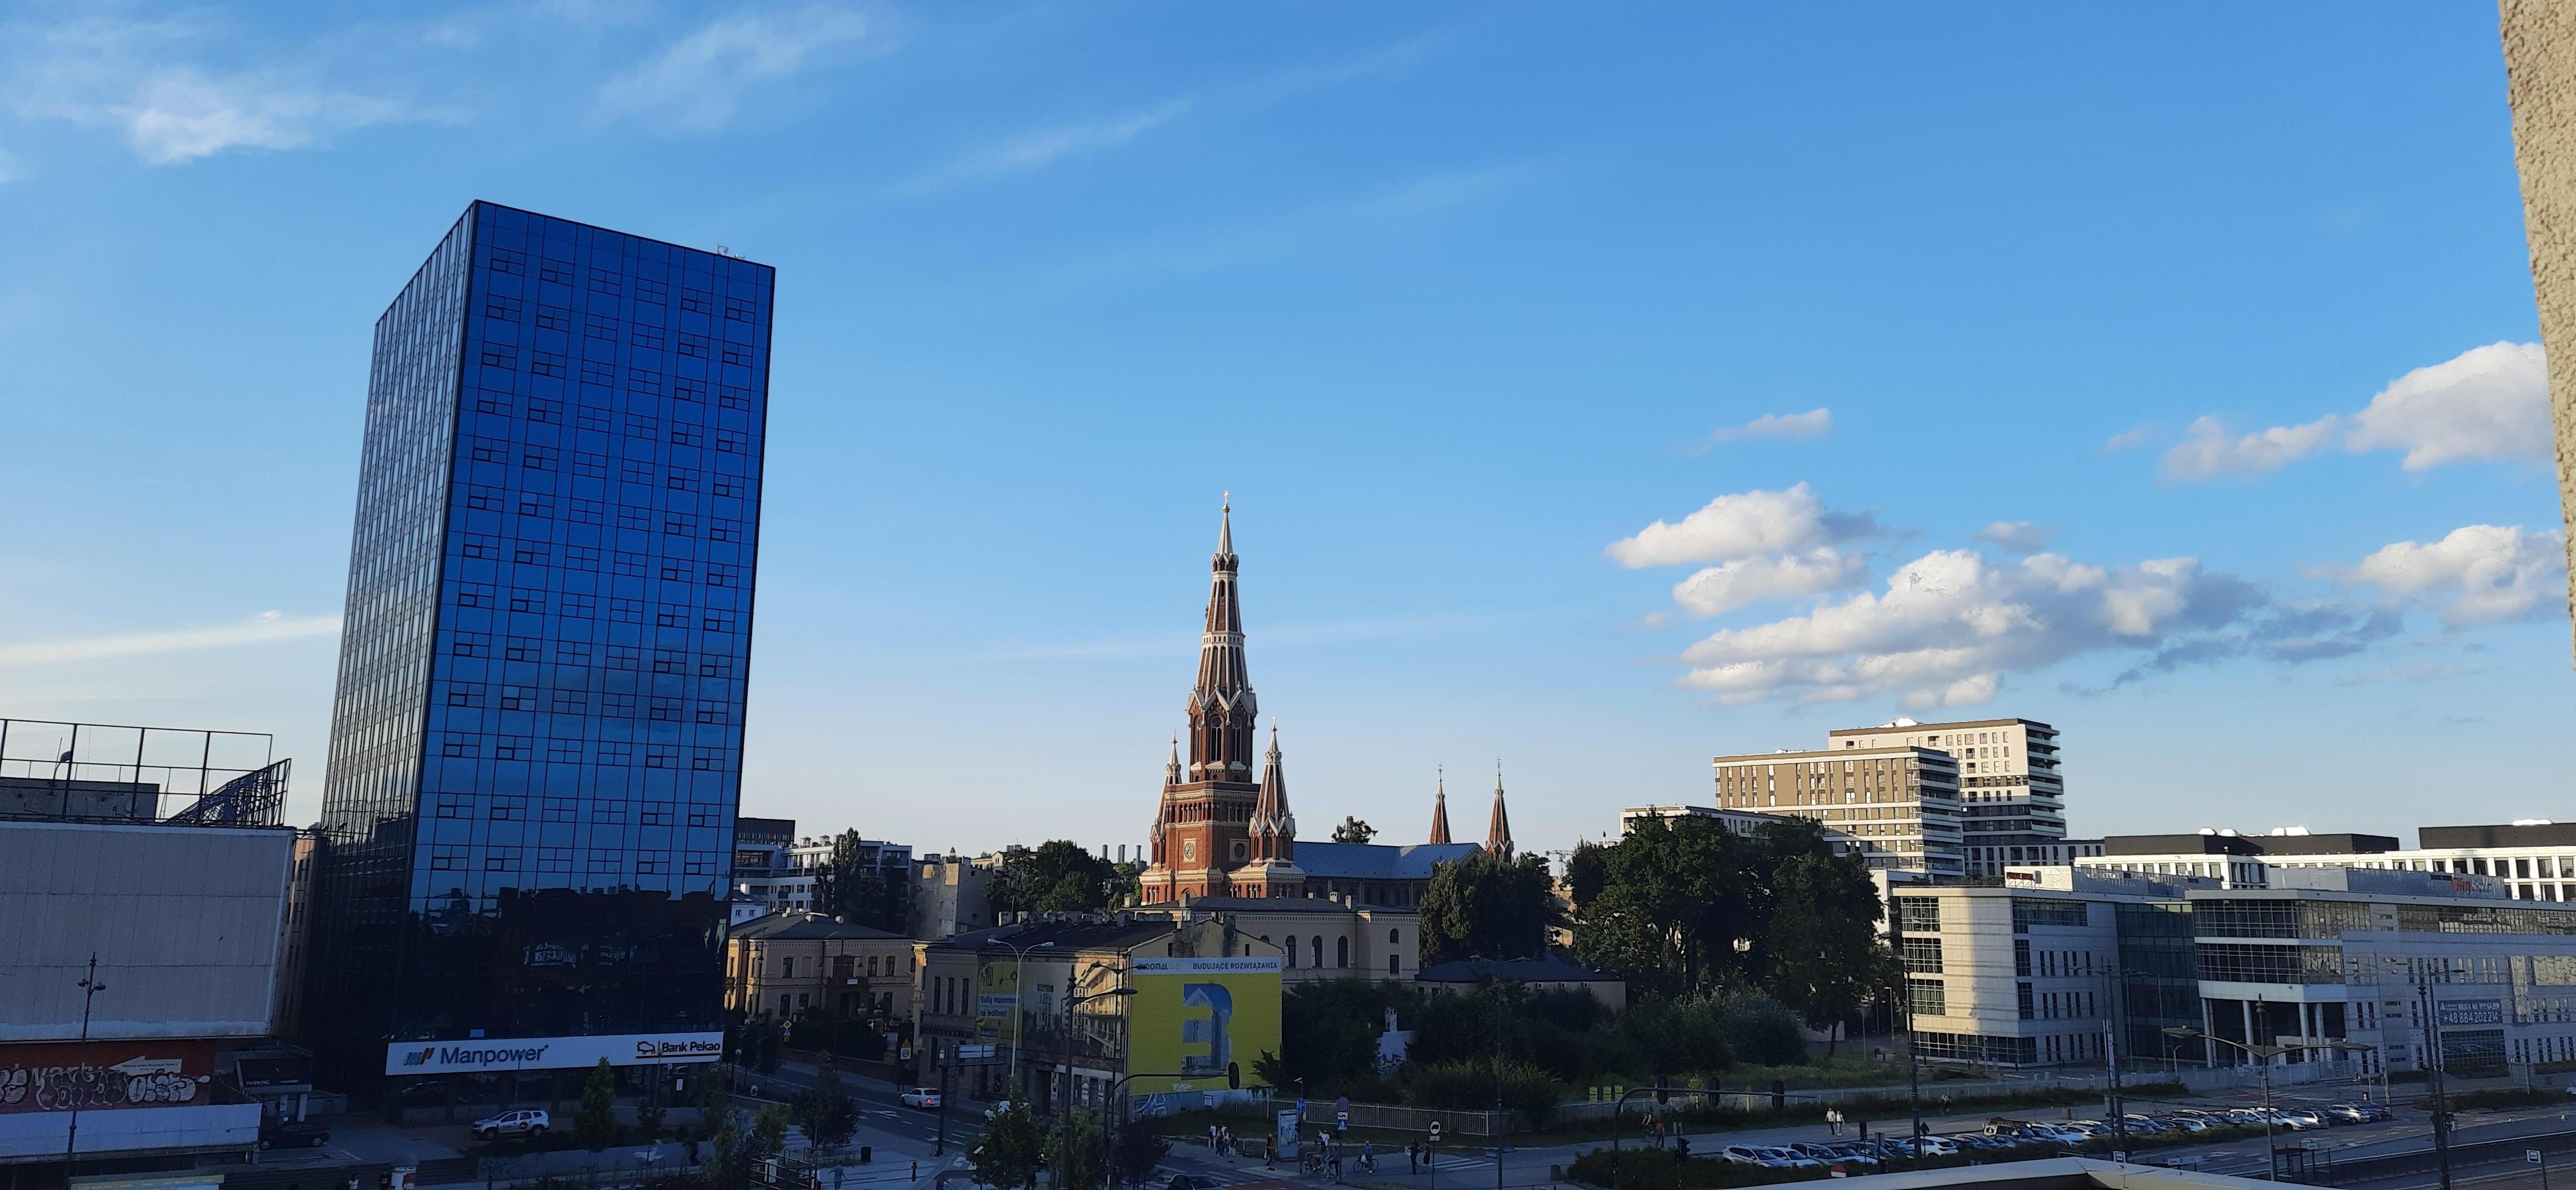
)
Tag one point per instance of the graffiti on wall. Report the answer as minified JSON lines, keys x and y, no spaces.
{"x":54,"y":1078}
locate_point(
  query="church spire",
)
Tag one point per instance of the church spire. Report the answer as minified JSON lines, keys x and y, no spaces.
{"x":1172,"y":767}
{"x":1222,"y":709}
{"x":1440,"y":809}
{"x":1498,"y":829}
{"x":1274,"y":828}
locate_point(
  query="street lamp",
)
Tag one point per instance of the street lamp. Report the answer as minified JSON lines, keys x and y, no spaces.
{"x":2263,"y":1056}
{"x":1064,"y":1111}
{"x":90,"y":988}
{"x":1019,"y":970}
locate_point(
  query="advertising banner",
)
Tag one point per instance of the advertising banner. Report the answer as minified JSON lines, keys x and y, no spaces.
{"x":550,"y":1053}
{"x":59,"y":1076}
{"x":2469,"y":1012}
{"x":997,"y":995}
{"x":1192,"y":1017}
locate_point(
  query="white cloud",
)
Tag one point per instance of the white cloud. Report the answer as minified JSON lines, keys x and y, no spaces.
{"x":1951,"y":624}
{"x":2208,"y":450}
{"x":2479,"y":574}
{"x":260,"y":630}
{"x":2125,"y":440}
{"x":698,"y":82}
{"x":137,"y":77}
{"x":1814,"y":423}
{"x":1032,"y":151}
{"x":1743,"y":525}
{"x":2020,"y":537}
{"x":2487,"y":403}
{"x":1746,"y":581}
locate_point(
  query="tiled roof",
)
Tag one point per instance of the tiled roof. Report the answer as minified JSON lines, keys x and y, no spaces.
{"x":1281,"y":904}
{"x":1377,"y":861}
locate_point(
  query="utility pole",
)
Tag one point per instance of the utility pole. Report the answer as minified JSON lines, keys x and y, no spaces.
{"x":2433,"y":1063}
{"x":90,"y":988}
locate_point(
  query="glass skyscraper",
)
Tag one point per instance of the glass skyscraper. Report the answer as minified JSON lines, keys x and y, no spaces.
{"x":536,"y":747}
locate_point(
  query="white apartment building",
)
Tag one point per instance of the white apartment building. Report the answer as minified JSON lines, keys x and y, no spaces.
{"x":2531,"y":860}
{"x":1901,"y":803}
{"x":2013,"y":798}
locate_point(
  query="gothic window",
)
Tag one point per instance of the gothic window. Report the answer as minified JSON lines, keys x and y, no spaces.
{"x":1342,"y":952}
{"x":1292,"y":950}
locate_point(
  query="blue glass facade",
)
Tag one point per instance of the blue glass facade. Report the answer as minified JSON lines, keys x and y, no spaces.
{"x":537,"y":737}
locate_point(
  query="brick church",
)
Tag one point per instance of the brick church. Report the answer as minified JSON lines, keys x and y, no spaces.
{"x":1224,"y":828}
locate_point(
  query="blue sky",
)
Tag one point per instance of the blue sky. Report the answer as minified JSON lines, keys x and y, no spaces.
{"x":1600,"y":387}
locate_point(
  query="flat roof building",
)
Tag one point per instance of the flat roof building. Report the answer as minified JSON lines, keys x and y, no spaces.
{"x":1900,"y":803}
{"x":2013,"y":798}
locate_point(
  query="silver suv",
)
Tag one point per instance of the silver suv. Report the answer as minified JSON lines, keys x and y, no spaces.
{"x":512,"y":1123}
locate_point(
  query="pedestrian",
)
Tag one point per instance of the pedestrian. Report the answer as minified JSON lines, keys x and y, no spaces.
{"x":693,"y":1150}
{"x":1412,"y":1157}
{"x":1368,"y":1156}
{"x":1334,"y":1157}
{"x":1211,"y":1138}
{"x":1270,"y":1152}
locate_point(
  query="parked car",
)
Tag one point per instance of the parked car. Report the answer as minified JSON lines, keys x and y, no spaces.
{"x":1852,"y":1152}
{"x":1741,"y":1154}
{"x":513,"y":1123}
{"x":2301,"y":1118}
{"x":2341,"y":1113}
{"x":2371,"y":1110}
{"x":1783,"y":1158}
{"x":285,"y":1133}
{"x":2251,"y":1116}
{"x":1820,"y":1152}
{"x":926,"y":1098}
{"x":2194,"y":1122}
{"x":2147,"y":1125}
{"x":1977,"y":1140}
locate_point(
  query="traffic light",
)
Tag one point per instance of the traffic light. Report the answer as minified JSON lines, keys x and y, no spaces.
{"x":1234,"y":1076}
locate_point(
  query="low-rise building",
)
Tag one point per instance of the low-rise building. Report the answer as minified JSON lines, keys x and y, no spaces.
{"x":1543,"y":973}
{"x":1320,"y":937}
{"x":1137,"y":1005}
{"x":788,"y":964}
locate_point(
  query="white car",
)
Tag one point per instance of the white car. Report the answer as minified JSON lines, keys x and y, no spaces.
{"x":513,"y":1123}
{"x":1741,"y":1155}
{"x":926,"y":1098}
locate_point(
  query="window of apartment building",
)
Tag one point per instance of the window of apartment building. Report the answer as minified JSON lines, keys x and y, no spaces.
{"x":1922,"y":955}
{"x":2026,"y":1000}
{"x":787,"y":968}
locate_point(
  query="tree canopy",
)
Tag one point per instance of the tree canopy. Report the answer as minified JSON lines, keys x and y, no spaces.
{"x":1055,"y":876}
{"x":849,"y":885}
{"x":1354,"y":830}
{"x":1488,"y":907}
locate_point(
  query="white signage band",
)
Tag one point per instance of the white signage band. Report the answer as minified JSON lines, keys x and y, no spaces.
{"x":550,"y":1053}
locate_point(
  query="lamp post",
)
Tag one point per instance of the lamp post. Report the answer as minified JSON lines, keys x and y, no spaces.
{"x":90,"y":988}
{"x":1064,"y":1113}
{"x":2263,"y":1056}
{"x":1019,"y":969}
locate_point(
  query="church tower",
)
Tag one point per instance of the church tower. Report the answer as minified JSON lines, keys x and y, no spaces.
{"x":1498,"y":828}
{"x":1440,"y":809}
{"x":1205,"y":828}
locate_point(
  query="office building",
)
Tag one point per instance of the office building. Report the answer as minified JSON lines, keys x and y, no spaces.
{"x":537,"y":737}
{"x":2012,"y":796}
{"x":2031,"y":973}
{"x":1901,"y":802}
{"x":2532,"y":860}
{"x":760,"y":857}
{"x":2402,"y":967}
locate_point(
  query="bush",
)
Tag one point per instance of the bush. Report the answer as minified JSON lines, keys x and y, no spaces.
{"x":1761,"y":1030}
{"x":1472,"y":1086}
{"x":2505,"y":1097}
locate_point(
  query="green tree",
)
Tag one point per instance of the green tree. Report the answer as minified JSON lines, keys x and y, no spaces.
{"x":1353,"y":830}
{"x":648,"y":1117}
{"x":1329,"y":1031}
{"x":1140,"y":1147}
{"x":1010,"y":1151}
{"x":1666,"y":905}
{"x":826,"y":1112}
{"x":732,"y":1168}
{"x":769,"y":1131}
{"x":852,"y":884}
{"x":1820,"y":949}
{"x":1056,"y":876}
{"x":1077,"y":1153}
{"x":595,"y":1125}
{"x":1488,"y":907}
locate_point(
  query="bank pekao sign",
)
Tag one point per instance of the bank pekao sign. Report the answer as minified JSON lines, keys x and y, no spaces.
{"x":550,"y":1053}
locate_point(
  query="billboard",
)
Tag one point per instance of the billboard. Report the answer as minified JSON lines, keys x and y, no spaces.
{"x":997,"y":994}
{"x":1190,"y":1018}
{"x":60,"y":1076}
{"x":550,"y":1053}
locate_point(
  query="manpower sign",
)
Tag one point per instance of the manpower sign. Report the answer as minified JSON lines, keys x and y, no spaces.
{"x":550,"y":1053}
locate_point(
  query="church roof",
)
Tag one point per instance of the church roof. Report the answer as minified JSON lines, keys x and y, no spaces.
{"x":1283,"y":904}
{"x":1377,"y":861}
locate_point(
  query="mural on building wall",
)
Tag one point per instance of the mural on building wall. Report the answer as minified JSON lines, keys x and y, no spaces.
{"x":104,"y":1074}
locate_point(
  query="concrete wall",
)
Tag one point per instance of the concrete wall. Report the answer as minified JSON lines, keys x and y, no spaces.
{"x":185,"y":922}
{"x":132,"y":1130}
{"x":2540,"y":82}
